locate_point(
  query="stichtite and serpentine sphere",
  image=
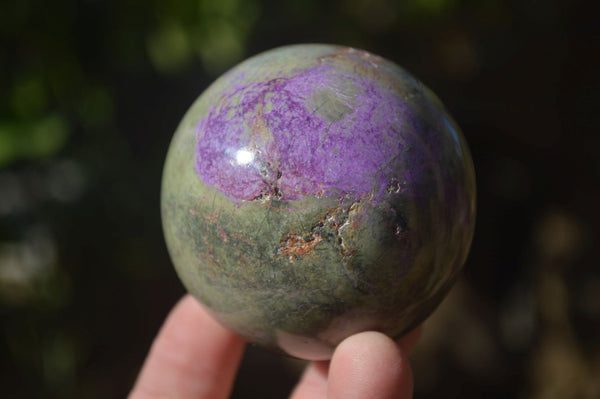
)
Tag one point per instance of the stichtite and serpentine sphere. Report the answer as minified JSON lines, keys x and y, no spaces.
{"x":317,"y":191}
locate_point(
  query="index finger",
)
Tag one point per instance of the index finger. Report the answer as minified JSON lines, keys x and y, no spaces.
{"x":192,"y":356}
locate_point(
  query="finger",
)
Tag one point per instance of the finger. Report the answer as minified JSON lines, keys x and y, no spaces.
{"x":370,"y":365}
{"x":409,"y":341}
{"x":313,"y":383}
{"x":192,"y":357}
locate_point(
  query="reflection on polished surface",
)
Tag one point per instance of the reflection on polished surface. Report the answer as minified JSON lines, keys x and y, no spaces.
{"x":244,"y":157}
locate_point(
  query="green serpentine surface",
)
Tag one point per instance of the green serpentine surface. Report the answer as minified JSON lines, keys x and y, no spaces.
{"x":316,"y":191}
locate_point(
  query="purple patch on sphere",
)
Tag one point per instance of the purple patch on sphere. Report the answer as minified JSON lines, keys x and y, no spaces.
{"x":272,"y":137}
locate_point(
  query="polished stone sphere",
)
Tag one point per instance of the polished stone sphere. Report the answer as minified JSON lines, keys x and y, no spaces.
{"x":317,"y":191}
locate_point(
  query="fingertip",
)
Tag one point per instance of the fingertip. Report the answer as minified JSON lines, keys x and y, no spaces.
{"x":370,"y":365}
{"x":193,"y":356}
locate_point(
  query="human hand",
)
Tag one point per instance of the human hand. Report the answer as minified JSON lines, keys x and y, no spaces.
{"x":195,"y":357}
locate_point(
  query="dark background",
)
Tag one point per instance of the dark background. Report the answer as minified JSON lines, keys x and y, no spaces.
{"x":91,"y":92}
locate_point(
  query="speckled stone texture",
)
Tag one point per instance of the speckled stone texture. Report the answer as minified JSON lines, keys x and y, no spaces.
{"x":316,"y":191}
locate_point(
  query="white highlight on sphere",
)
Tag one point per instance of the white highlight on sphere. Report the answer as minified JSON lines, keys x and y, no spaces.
{"x":244,"y":156}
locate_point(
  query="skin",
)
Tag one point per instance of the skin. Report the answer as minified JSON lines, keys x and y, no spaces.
{"x":193,"y":356}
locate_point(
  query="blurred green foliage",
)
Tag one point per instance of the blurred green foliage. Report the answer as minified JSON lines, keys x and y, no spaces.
{"x":57,"y":60}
